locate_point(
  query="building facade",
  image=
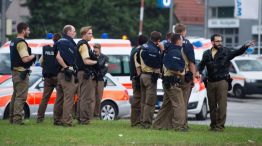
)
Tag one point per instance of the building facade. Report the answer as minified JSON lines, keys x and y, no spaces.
{"x":220,"y":19}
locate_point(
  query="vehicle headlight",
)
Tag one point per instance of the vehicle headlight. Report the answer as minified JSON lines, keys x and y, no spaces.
{"x":250,"y":80}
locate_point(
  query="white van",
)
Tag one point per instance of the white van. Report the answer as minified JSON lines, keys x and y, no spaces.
{"x":118,"y":51}
{"x":246,"y":72}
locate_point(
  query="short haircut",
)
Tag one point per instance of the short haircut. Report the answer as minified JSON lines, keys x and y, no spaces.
{"x":168,"y":35}
{"x":175,"y":37}
{"x":56,"y":37}
{"x":84,"y":30}
{"x":97,"y":45}
{"x":22,"y":26}
{"x":142,"y":39}
{"x":180,"y":28}
{"x":67,"y":28}
{"x":155,"y":36}
{"x":215,"y":35}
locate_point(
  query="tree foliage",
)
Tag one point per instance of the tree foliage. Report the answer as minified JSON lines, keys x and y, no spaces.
{"x":115,"y":17}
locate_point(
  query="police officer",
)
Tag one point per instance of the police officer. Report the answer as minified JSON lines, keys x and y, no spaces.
{"x":150,"y":58}
{"x":172,"y":112}
{"x":66,"y":57}
{"x":21,"y":60}
{"x":217,"y":61}
{"x":135,"y":72}
{"x":50,"y":70}
{"x":86,"y":74}
{"x":189,"y":57}
{"x":101,"y":70}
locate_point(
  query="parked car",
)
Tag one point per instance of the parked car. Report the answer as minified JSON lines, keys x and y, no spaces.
{"x":246,"y":72}
{"x":115,"y":102}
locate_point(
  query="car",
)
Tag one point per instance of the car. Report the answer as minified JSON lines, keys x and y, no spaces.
{"x":114,"y":104}
{"x":246,"y":72}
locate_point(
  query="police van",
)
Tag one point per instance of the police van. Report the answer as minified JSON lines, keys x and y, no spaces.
{"x":118,"y":51}
{"x":246,"y":72}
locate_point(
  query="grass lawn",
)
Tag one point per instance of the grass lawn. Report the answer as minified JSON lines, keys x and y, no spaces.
{"x":120,"y":133}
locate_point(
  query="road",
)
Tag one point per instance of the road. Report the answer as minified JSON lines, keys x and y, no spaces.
{"x":241,"y":112}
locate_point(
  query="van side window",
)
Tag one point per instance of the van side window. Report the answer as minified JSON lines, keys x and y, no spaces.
{"x":118,"y":65}
{"x":231,"y":68}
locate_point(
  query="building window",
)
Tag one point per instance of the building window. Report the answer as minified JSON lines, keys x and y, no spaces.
{"x":214,"y":12}
{"x":225,"y":12}
{"x":222,"y":12}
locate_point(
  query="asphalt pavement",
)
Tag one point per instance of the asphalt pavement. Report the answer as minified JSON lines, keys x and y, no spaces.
{"x":246,"y":112}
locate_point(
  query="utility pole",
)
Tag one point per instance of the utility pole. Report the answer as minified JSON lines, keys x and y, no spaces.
{"x":3,"y":22}
{"x":171,"y":12}
{"x":259,"y":26}
{"x":206,"y":20}
{"x":141,"y":17}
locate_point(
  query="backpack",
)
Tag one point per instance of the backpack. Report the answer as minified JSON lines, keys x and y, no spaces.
{"x":173,"y":58}
{"x":151,"y":56}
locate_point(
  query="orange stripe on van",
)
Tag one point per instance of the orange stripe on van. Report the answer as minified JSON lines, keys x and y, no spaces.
{"x":113,"y":45}
{"x":4,"y":100}
{"x":4,"y":78}
{"x":238,"y":78}
{"x":127,"y":85}
{"x":121,"y":95}
{"x":34,"y":45}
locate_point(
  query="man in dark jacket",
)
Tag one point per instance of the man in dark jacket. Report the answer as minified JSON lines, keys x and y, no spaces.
{"x":66,"y":57}
{"x":101,"y":70}
{"x":50,"y":70}
{"x":135,"y":72}
{"x":217,"y":60}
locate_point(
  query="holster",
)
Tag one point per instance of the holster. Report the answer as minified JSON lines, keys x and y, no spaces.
{"x":154,"y":77}
{"x":188,"y":77}
{"x":205,"y":81}
{"x":169,"y":81}
{"x":68,"y":74}
{"x":137,"y":84}
{"x":229,"y":82}
{"x":23,"y":74}
{"x":88,"y":75}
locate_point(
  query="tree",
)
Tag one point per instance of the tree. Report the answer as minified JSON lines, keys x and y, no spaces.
{"x":115,"y":17}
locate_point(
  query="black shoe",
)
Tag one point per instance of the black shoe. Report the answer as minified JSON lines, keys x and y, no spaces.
{"x":39,"y":121}
{"x":216,"y":129}
{"x":18,"y":123}
{"x":83,"y":123}
{"x":58,"y":124}
{"x":67,"y":125}
{"x":181,"y":129}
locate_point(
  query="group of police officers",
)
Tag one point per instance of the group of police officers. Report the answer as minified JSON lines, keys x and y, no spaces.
{"x":174,"y":61}
{"x":75,"y":69}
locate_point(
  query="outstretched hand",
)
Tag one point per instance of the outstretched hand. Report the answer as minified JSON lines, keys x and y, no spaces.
{"x":249,"y":43}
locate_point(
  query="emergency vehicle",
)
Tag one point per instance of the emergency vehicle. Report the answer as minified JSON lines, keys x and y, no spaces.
{"x":118,"y":51}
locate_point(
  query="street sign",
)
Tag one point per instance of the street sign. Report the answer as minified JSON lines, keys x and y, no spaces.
{"x":164,"y":3}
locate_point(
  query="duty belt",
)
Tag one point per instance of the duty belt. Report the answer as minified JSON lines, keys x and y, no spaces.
{"x":148,"y":73}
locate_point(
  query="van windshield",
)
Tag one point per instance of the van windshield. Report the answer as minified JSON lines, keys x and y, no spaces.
{"x":5,"y":64}
{"x":118,"y":65}
{"x":249,"y":65}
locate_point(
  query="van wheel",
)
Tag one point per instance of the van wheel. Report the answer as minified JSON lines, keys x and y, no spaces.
{"x":203,"y":113}
{"x":238,"y":92}
{"x":26,"y":112}
{"x":108,"y":111}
